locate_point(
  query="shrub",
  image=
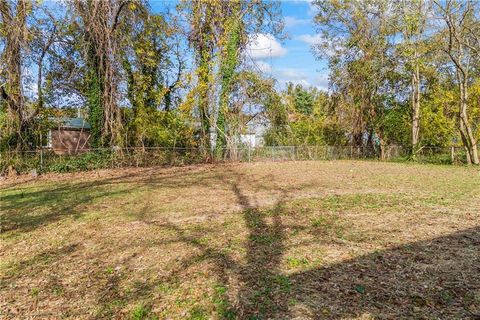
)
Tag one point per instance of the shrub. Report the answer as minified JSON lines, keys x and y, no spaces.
{"x":82,"y":162}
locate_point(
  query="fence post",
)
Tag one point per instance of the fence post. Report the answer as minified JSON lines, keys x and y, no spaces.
{"x":41,"y":159}
{"x":249,"y":156}
{"x":453,"y":154}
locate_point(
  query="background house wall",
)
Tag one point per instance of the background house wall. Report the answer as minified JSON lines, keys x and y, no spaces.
{"x":67,"y":140}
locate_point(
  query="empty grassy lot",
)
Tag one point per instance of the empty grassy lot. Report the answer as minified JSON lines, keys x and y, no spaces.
{"x":304,"y":240}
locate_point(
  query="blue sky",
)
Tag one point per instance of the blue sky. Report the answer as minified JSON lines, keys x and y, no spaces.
{"x":290,"y":59}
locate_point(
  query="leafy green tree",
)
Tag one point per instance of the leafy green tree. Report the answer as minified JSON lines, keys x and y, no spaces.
{"x":27,"y":34}
{"x":98,"y":23}
{"x":303,"y":101}
{"x":219,"y":33}
{"x":149,"y":54}
{"x":462,"y":46}
{"x":362,"y":68}
{"x":412,"y":23}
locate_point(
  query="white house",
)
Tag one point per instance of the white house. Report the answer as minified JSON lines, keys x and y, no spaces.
{"x":255,"y":131}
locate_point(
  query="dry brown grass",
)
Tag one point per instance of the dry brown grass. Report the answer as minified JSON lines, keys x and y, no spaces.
{"x":304,"y":240}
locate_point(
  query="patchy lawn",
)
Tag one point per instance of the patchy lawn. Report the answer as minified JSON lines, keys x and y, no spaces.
{"x":304,"y":240}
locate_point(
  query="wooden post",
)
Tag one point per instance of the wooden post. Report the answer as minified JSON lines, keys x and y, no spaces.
{"x":41,"y":159}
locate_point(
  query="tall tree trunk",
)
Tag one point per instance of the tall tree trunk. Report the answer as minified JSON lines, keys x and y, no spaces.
{"x":229,"y":62}
{"x":16,"y":36}
{"x":466,"y":132}
{"x":203,"y":42}
{"x":100,"y":20}
{"x":415,"y":109}
{"x":204,"y":100}
{"x":94,"y":97}
{"x":460,"y":51}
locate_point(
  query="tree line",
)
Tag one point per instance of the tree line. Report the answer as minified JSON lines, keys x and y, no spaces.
{"x":404,"y":73}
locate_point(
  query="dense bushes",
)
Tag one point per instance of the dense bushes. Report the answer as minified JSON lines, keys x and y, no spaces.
{"x":47,"y":161}
{"x":81,"y":162}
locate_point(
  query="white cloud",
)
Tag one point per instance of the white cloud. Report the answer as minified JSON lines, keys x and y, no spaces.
{"x":263,"y":66}
{"x":293,"y":22}
{"x":312,"y":9}
{"x":302,"y":82}
{"x":321,"y":81}
{"x":295,"y":76}
{"x":283,"y":83}
{"x":310,"y":39}
{"x":291,"y":74}
{"x":262,"y":46}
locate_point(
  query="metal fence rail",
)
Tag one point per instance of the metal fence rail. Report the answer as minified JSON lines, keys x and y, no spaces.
{"x":45,"y":160}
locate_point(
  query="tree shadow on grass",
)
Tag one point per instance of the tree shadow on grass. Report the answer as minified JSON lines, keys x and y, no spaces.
{"x":438,"y":278}
{"x":19,"y":207}
{"x":28,"y":208}
{"x":69,"y":200}
{"x":262,"y":284}
{"x":264,"y":288}
{"x":431,"y":279}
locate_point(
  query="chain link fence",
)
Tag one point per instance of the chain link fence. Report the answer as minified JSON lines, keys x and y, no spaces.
{"x":46,"y":160}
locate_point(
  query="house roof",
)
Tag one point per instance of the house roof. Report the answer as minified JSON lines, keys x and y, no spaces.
{"x":72,"y":123}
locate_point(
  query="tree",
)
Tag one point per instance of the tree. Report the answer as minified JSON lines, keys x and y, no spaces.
{"x":201,"y":37}
{"x":229,"y":61}
{"x":413,"y":24}
{"x":99,"y":22}
{"x":150,"y":53}
{"x":362,"y":68}
{"x":462,"y":47}
{"x":304,"y":102}
{"x":24,"y":45}
{"x":219,"y":33}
